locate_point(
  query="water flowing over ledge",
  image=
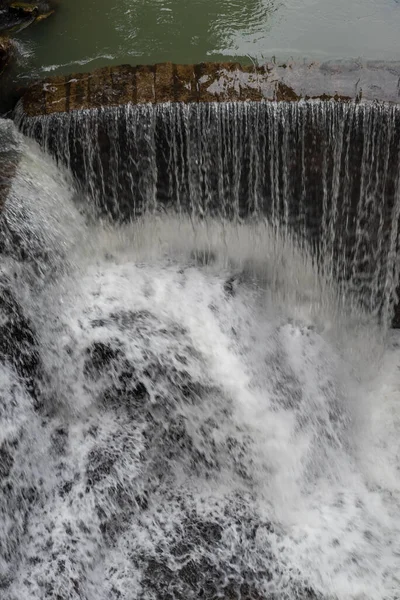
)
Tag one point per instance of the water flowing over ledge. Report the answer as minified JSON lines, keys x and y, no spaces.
{"x":196,"y":400}
{"x":241,"y":142}
{"x":325,"y":171}
{"x":184,"y":413}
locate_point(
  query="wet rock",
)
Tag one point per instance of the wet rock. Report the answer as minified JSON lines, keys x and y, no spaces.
{"x":24,"y":7}
{"x":5,"y":53}
{"x":60,"y":440}
{"x":209,"y":532}
{"x":7,"y":171}
{"x":210,"y":82}
{"x":101,"y":356}
{"x":99,"y":465}
{"x":13,"y":20}
{"x":106,"y":362}
{"x":199,"y":566}
{"x":6,"y":462}
{"x":15,"y":16}
{"x":9,"y":158}
{"x":39,"y":11}
{"x":231,"y":284}
{"x":396,"y":312}
{"x":17,"y":341}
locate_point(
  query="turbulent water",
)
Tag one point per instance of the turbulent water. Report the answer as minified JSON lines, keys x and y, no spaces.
{"x":186,"y":410}
{"x":327,"y":171}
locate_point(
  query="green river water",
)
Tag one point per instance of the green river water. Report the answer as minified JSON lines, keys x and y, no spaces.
{"x":84,"y":34}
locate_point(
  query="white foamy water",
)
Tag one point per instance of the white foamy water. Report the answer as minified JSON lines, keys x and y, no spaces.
{"x":186,"y":412}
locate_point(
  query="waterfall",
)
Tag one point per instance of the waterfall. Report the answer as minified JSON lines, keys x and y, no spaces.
{"x":196,"y":399}
{"x":326,"y":172}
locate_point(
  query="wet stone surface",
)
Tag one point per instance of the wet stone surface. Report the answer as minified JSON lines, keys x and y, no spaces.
{"x":214,"y":82}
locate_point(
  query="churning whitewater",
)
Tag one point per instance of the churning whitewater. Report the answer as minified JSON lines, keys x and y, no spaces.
{"x":185,"y":411}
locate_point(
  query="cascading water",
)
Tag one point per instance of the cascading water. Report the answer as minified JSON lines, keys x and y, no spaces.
{"x":327,"y":171}
{"x":187,"y":409}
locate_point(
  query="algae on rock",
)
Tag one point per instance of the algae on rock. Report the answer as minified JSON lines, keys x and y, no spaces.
{"x":16,"y":15}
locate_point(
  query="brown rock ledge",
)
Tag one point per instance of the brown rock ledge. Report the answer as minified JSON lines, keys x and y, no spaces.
{"x":206,"y":82}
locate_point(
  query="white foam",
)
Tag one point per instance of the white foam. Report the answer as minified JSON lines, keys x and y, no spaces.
{"x":297,"y":416}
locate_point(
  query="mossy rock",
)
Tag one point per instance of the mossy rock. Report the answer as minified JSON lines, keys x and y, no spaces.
{"x":16,"y":15}
{"x":37,"y":7}
{"x":44,"y":16}
{"x":25,"y":7}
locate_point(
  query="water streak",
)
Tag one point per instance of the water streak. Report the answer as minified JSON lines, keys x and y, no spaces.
{"x":326,"y":172}
{"x":188,"y":410}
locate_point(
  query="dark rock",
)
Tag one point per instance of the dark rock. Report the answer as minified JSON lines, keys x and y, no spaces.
{"x":6,"y":462}
{"x":15,"y":15}
{"x":197,"y":566}
{"x":7,"y":170}
{"x":12,"y":21}
{"x":8,"y":94}
{"x":229,"y":286}
{"x":100,"y":357}
{"x":204,"y":531}
{"x":17,"y":341}
{"x":9,"y":157}
{"x":99,"y":465}
{"x":5,"y":52}
{"x":59,"y":440}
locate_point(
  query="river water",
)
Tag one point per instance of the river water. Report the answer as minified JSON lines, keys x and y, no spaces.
{"x":84,"y":34}
{"x":185,"y":412}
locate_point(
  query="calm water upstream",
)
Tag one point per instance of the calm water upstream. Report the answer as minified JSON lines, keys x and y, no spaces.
{"x":85,"y":33}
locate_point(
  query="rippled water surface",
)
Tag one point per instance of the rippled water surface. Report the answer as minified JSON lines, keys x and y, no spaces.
{"x":85,"y":34}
